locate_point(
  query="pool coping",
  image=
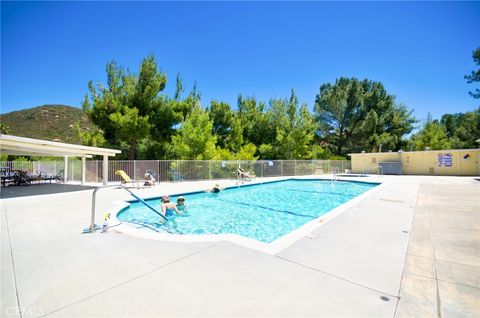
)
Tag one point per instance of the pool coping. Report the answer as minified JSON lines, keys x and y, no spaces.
{"x":274,"y":247}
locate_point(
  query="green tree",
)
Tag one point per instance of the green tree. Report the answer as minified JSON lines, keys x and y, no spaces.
{"x":463,"y":129}
{"x":194,"y":139}
{"x":182,"y":108}
{"x":222,"y":117}
{"x":355,"y":115}
{"x":474,"y":76}
{"x":90,"y":138}
{"x":246,"y":152}
{"x":432,"y":136}
{"x":167,"y":116}
{"x":274,"y":120}
{"x":3,"y":129}
{"x":179,"y":87}
{"x":253,"y":120}
{"x":122,"y":109}
{"x":293,"y":130}
{"x":338,"y":110}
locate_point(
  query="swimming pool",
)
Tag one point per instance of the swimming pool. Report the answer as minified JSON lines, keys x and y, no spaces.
{"x":263,"y":212}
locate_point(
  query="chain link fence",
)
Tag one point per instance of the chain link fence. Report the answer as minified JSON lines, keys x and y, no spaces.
{"x":182,"y":170}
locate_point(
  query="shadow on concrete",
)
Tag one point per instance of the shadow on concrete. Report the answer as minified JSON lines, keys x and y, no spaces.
{"x":40,"y":189}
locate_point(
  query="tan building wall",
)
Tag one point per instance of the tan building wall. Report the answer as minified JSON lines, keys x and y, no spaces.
{"x":463,"y":162}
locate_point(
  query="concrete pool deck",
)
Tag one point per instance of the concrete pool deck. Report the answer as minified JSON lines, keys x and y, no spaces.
{"x":412,"y":248}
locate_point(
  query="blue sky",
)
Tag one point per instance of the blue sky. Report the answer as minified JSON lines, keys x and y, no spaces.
{"x":419,"y":50}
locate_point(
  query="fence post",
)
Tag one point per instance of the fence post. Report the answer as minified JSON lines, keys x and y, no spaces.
{"x":178,"y":174}
{"x":134,"y":169}
{"x":209,"y":169}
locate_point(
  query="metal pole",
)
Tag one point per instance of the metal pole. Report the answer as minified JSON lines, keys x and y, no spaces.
{"x":94,"y":195}
{"x":84,"y":167}
{"x":134,"y":169}
{"x":209,"y":169}
{"x":105,"y":170}
{"x":65,"y":167}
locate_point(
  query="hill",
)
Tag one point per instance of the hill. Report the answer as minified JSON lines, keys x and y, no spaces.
{"x":47,"y":122}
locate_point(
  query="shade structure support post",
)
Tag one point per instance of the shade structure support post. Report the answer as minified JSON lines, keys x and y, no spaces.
{"x":84,"y":169}
{"x":65,"y":167}
{"x":105,"y":170}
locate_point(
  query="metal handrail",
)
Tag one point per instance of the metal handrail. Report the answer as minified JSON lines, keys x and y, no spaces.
{"x":371,"y":168}
{"x":94,"y":194}
{"x":335,"y":172}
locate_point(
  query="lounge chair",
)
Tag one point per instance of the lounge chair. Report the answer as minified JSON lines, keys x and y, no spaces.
{"x":40,"y":176}
{"x":7,"y":175}
{"x":126,"y":179}
{"x":21,"y":177}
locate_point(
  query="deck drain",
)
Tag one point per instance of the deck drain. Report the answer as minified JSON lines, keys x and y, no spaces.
{"x":405,"y":231}
{"x":384,"y":298}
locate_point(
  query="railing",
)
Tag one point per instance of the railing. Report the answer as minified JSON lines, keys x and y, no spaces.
{"x":371,"y":169}
{"x":335,"y":172}
{"x":183,"y":170}
{"x":92,"y":228}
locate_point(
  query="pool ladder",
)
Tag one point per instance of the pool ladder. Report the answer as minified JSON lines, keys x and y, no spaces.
{"x":336,"y":171}
{"x":371,"y":169}
{"x":92,"y":227}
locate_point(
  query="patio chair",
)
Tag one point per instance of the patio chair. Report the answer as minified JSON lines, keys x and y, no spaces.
{"x":126,"y":179}
{"x":60,"y":177}
{"x":243,"y":175}
{"x":150,"y":177}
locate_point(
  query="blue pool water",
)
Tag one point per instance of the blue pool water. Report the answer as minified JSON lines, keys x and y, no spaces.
{"x":263,"y":212}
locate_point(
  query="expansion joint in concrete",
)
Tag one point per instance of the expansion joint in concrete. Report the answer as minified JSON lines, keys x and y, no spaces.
{"x":407,"y":253}
{"x":19,"y":308}
{"x":132,"y":279}
{"x":338,"y":277}
{"x":435,"y":268}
